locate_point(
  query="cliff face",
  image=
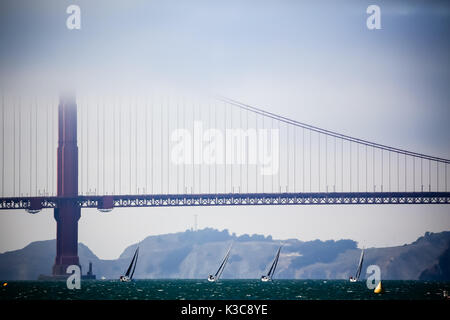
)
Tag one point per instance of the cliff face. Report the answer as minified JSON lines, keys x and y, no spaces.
{"x":196,"y":254}
{"x":35,"y":259}
{"x":441,"y":270}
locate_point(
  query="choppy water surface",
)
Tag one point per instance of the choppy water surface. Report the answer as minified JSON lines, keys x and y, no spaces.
{"x":225,"y":289}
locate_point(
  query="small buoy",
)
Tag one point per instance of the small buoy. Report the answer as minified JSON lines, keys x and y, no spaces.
{"x":5,"y":284}
{"x":379,"y":288}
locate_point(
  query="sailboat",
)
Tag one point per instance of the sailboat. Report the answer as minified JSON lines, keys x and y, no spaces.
{"x":269,"y":275}
{"x":130,"y":271}
{"x":358,"y":271}
{"x":216,"y":276}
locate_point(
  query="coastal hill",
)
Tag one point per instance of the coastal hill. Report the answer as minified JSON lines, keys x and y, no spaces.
{"x":195,"y":254}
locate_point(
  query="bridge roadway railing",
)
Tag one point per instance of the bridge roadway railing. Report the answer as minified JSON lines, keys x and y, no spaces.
{"x":108,"y":202}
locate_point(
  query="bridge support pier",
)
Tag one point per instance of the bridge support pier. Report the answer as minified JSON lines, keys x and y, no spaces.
{"x":66,"y":217}
{"x":68,"y":213}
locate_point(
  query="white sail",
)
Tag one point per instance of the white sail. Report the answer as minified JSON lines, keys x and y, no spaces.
{"x":271,"y":272}
{"x":130,"y":271}
{"x":361,"y":260}
{"x":218,"y":274}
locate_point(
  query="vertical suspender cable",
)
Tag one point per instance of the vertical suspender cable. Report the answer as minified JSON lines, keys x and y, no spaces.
{"x":184,"y":161}
{"x":248,"y":150}
{"x":287,"y":158}
{"x":318,"y":135}
{"x":114,"y":144}
{"x":335,"y":183}
{"x":20,"y":141}
{"x":151,"y":142}
{"x":168,"y":149}
{"x":241,"y":164}
{"x":310,"y":160}
{"x":193,"y":149}
{"x":295,"y":151}
{"x":421,"y":174}
{"x":437,"y":176}
{"x":46,"y":148}
{"x":389,"y":166}
{"x":80,"y":151}
{"x":232,"y":152}
{"x":279,"y":158}
{"x":326,"y":163}
{"x":215,"y":165}
{"x":54,"y":120}
{"x":303,"y":159}
{"x":366,"y":167}
{"x":350,"y":158}
{"x":87,"y":146}
{"x":161,"y":147}
{"x":398,"y":172}
{"x":183,"y":123}
{"x":14,"y":149}
{"x":199,"y":149}
{"x":146,"y":145}
{"x":120,"y":145}
{"x":225,"y":151}
{"x":35,"y":148}
{"x":429,"y":175}
{"x":406,"y":185}
{"x":382,"y":170}
{"x":31,"y":150}
{"x":97,"y":189}
{"x":177,"y":115}
{"x":373,"y":169}
{"x":3,"y":145}
{"x":104,"y":149}
{"x":130,"y":147}
{"x":136,"y":136}
{"x":271,"y":141}
{"x":135,"y":145}
{"x":357,"y":167}
{"x":263,"y":151}
{"x":342,"y":165}
{"x":208,"y":107}
{"x":257,"y":151}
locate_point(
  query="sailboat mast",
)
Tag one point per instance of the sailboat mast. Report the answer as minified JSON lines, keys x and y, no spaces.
{"x":222,"y":265}
{"x":276,"y":262}
{"x":131,"y":264}
{"x":135,"y":263}
{"x":358,"y":271}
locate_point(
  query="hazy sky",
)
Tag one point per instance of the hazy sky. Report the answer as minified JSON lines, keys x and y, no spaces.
{"x":313,"y":61}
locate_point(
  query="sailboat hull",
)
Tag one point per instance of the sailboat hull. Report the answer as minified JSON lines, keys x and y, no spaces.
{"x":125,"y":279}
{"x":272,"y":269}
{"x":216,"y":277}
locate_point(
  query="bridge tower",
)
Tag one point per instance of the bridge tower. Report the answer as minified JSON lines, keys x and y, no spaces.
{"x":67,"y":213}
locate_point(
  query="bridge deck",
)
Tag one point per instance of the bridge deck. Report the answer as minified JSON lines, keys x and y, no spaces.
{"x":229,"y":199}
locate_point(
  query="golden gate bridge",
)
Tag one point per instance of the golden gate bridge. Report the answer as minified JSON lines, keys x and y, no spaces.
{"x":117,"y":153}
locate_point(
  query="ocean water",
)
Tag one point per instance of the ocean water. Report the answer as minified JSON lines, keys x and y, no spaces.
{"x":224,"y":289}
